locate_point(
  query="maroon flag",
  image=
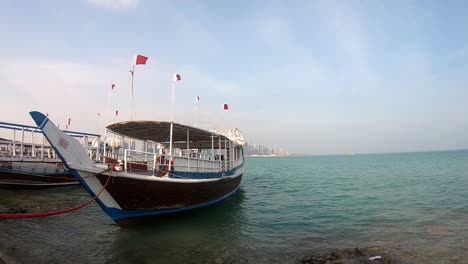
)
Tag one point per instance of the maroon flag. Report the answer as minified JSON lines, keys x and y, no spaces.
{"x":113,"y":86}
{"x":177,"y":77}
{"x":69,"y":121}
{"x":116,"y":112}
{"x":140,"y":59}
{"x":225,"y":107}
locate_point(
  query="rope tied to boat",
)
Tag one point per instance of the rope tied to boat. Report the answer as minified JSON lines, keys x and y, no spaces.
{"x":58,"y":212}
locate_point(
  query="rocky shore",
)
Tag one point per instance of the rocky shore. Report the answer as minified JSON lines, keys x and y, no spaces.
{"x":369,"y":255}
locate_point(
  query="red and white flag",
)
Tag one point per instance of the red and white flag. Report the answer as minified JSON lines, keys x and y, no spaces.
{"x":116,"y":112}
{"x":140,"y":59}
{"x":177,"y":77}
{"x":225,"y":107}
{"x":112,"y":86}
{"x":69,"y":121}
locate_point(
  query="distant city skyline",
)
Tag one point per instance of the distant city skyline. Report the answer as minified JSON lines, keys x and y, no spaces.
{"x":257,"y":149}
{"x":318,"y":77}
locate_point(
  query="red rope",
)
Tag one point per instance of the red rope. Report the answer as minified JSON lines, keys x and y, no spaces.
{"x":44,"y":214}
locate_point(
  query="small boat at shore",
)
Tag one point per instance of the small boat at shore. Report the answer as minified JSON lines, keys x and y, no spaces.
{"x":191,"y":168}
{"x":28,"y":160}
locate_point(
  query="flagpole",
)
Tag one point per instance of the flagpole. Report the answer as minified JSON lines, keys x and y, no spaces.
{"x":196,"y":111}
{"x":108,"y":105}
{"x":132,"y":103}
{"x":172,"y":124}
{"x":97,"y":123}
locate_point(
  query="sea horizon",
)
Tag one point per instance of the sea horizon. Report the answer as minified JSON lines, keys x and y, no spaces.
{"x":359,"y":153}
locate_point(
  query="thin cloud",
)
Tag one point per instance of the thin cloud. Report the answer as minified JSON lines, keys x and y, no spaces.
{"x":115,"y":4}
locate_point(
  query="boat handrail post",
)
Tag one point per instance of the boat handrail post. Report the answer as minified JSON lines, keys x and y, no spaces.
{"x":125,"y":160}
{"x":146,"y":149}
{"x":212,"y":153}
{"x":104,"y":144}
{"x":33,"y":153}
{"x":42,"y":147}
{"x":225,"y":153}
{"x":188,"y":152}
{"x":22,"y":142}
{"x":14,"y":143}
{"x":154,"y":163}
{"x":219,"y":153}
{"x":98,"y":150}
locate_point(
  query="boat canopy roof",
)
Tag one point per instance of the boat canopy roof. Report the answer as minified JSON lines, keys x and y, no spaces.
{"x":159,"y":131}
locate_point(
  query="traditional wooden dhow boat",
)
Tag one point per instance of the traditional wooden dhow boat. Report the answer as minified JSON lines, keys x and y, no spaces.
{"x":199,"y":168}
{"x":27,"y":159}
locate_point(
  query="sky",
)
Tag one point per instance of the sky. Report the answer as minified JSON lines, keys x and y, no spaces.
{"x":313,"y":77}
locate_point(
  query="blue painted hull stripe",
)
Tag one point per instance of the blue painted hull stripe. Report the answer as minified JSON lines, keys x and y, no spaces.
{"x":44,"y":123}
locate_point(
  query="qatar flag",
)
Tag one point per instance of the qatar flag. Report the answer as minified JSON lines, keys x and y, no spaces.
{"x":177,"y":77}
{"x":116,"y":112}
{"x":225,"y":107}
{"x":69,"y":121}
{"x":140,"y":59}
{"x":112,"y":86}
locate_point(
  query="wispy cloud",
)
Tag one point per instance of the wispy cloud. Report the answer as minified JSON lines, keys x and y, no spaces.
{"x":115,"y":4}
{"x":60,"y":88}
{"x":64,"y":88}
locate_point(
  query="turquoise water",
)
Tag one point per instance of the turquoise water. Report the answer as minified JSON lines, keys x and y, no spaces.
{"x":415,"y":204}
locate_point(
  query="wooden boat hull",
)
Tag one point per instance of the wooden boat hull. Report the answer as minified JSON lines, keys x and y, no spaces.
{"x":11,"y":178}
{"x":127,"y":199}
{"x":133,"y":194}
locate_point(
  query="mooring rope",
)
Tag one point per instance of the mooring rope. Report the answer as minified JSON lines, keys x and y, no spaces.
{"x":45,"y":214}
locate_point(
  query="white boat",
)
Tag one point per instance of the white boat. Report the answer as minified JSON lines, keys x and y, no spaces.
{"x":28,"y":160}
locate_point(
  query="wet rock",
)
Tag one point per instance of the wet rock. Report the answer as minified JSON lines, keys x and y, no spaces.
{"x":358,"y":252}
{"x":351,"y":256}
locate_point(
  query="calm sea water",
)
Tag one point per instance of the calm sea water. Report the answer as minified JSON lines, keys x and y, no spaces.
{"x":415,"y":204}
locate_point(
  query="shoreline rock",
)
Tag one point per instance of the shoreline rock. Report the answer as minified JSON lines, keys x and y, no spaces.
{"x":368,"y":255}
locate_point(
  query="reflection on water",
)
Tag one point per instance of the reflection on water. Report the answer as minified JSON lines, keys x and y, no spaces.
{"x":209,"y":233}
{"x":89,"y":236}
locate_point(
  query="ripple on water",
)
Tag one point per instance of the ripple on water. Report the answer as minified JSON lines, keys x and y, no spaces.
{"x":413,"y":203}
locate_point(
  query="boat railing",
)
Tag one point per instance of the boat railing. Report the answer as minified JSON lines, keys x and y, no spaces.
{"x":29,"y":142}
{"x":36,"y":168}
{"x":135,"y":160}
{"x":191,"y":164}
{"x":141,"y":161}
